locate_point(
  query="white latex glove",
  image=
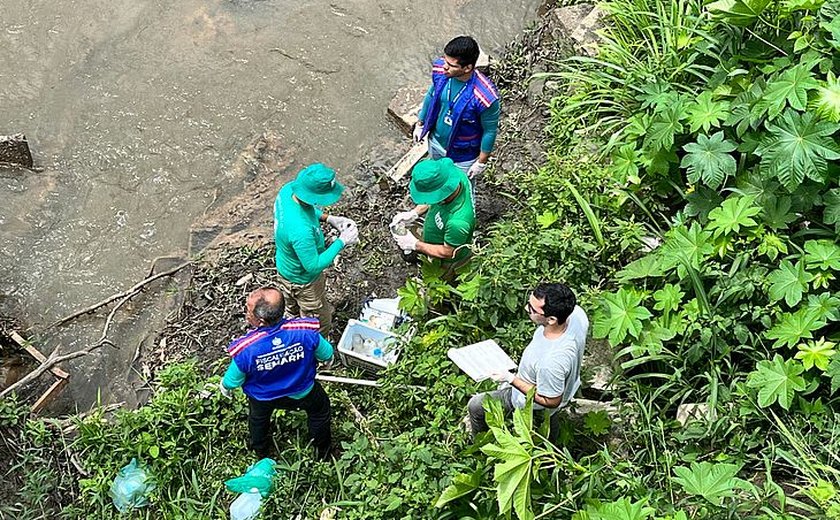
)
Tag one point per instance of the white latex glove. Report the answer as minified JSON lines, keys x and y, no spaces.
{"x":407,"y":242}
{"x":417,"y":134}
{"x":404,"y":217}
{"x":349,"y":235}
{"x":328,"y":364}
{"x":225,"y":391}
{"x":340,"y":223}
{"x":502,"y":377}
{"x":476,"y":169}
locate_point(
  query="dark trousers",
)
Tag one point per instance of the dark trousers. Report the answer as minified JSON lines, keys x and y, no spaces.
{"x":316,"y":404}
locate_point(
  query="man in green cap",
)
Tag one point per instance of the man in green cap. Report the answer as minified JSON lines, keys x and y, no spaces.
{"x":442,"y":192}
{"x":302,"y":255}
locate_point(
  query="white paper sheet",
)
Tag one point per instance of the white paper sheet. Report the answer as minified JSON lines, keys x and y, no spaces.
{"x":481,"y":359}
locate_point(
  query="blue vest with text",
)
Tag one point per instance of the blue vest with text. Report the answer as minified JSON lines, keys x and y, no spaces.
{"x":479,"y":93}
{"x":279,"y":360}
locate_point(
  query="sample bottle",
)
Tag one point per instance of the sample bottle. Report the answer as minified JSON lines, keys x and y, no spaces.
{"x":246,"y":506}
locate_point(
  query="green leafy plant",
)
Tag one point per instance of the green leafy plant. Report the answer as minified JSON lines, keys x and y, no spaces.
{"x":713,"y":482}
{"x":777,"y":381}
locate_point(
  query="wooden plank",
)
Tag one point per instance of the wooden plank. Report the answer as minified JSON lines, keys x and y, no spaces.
{"x":34,"y":352}
{"x":49,"y":396}
{"x":407,"y":162}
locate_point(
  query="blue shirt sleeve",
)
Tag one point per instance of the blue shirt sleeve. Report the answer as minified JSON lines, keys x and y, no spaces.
{"x":234,"y":377}
{"x":324,"y":351}
{"x":490,"y":126}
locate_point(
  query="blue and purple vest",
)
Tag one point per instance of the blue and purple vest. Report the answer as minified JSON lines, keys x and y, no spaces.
{"x":479,"y":93}
{"x":278,"y":360}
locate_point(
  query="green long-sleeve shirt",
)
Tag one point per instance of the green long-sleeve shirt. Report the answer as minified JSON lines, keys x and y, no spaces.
{"x":489,"y":118}
{"x":234,"y":378}
{"x":301,"y":253}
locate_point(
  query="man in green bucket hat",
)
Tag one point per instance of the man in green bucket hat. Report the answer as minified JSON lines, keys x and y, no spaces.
{"x":442,"y":192}
{"x":302,"y":255}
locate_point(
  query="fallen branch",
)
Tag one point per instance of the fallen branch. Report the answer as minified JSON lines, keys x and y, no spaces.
{"x":55,"y":359}
{"x":51,"y":362}
{"x":129,"y":292}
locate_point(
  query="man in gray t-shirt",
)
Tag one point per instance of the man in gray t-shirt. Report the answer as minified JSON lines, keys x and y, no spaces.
{"x":551,"y":361}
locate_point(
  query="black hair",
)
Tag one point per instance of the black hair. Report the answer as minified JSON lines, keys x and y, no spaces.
{"x":559,"y":300}
{"x":464,"y":49}
{"x":269,"y":311}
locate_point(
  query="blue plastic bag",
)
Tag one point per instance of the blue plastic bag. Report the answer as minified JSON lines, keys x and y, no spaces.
{"x":259,"y":475}
{"x":131,"y":487}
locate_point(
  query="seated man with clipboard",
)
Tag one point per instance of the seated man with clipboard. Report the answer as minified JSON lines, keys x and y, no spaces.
{"x":551,"y":362}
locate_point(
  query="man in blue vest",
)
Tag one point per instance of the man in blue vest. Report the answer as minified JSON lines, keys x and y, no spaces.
{"x":275,"y":364}
{"x":461,"y":109}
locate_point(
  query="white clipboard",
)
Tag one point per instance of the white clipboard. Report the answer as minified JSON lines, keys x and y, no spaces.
{"x":481,"y":359}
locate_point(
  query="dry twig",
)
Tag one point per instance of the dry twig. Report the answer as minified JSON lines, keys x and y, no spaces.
{"x":55,"y":359}
{"x":130,"y":292}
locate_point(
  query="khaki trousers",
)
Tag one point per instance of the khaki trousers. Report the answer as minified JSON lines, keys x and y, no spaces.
{"x":308,"y":300}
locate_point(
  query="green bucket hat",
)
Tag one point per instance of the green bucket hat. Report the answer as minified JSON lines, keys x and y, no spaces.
{"x":316,"y":185}
{"x":434,"y":180}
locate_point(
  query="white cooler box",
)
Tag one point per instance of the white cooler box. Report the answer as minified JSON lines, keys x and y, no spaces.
{"x":361,"y":338}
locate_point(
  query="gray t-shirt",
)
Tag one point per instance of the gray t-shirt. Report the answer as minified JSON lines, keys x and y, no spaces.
{"x":554,"y":364}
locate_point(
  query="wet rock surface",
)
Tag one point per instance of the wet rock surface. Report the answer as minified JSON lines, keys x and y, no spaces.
{"x":14,"y":150}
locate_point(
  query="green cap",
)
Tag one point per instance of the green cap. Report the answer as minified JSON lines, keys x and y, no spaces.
{"x":434,"y":180}
{"x":316,"y":185}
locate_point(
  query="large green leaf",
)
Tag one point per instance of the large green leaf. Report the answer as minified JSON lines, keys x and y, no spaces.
{"x":776,"y":212}
{"x":622,"y":314}
{"x":709,"y":159}
{"x":686,"y":245}
{"x":777,"y":380}
{"x":794,"y":327}
{"x":513,"y":471}
{"x":816,"y":354}
{"x":469,"y":290}
{"x":621,"y":509}
{"x":827,"y":103}
{"x":652,"y":338}
{"x":798,"y":146}
{"x":831,"y":213}
{"x":668,"y":298}
{"x":714,"y":482}
{"x":665,"y":125}
{"x":657,"y":95}
{"x":701,"y":202}
{"x":824,"y":306}
{"x":462,"y":484}
{"x":831,"y":12}
{"x":791,"y":88}
{"x":706,"y":113}
{"x":735,"y":212}
{"x":823,"y":255}
{"x":738,"y":12}
{"x":625,"y":163}
{"x":789,"y":281}
{"x":647,"y":266}
{"x":745,"y":113}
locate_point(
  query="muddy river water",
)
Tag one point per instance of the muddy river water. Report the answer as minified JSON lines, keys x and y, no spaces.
{"x":136,"y":109}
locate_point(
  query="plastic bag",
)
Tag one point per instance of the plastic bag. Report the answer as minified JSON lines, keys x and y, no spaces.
{"x":131,"y":487}
{"x":259,"y":475}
